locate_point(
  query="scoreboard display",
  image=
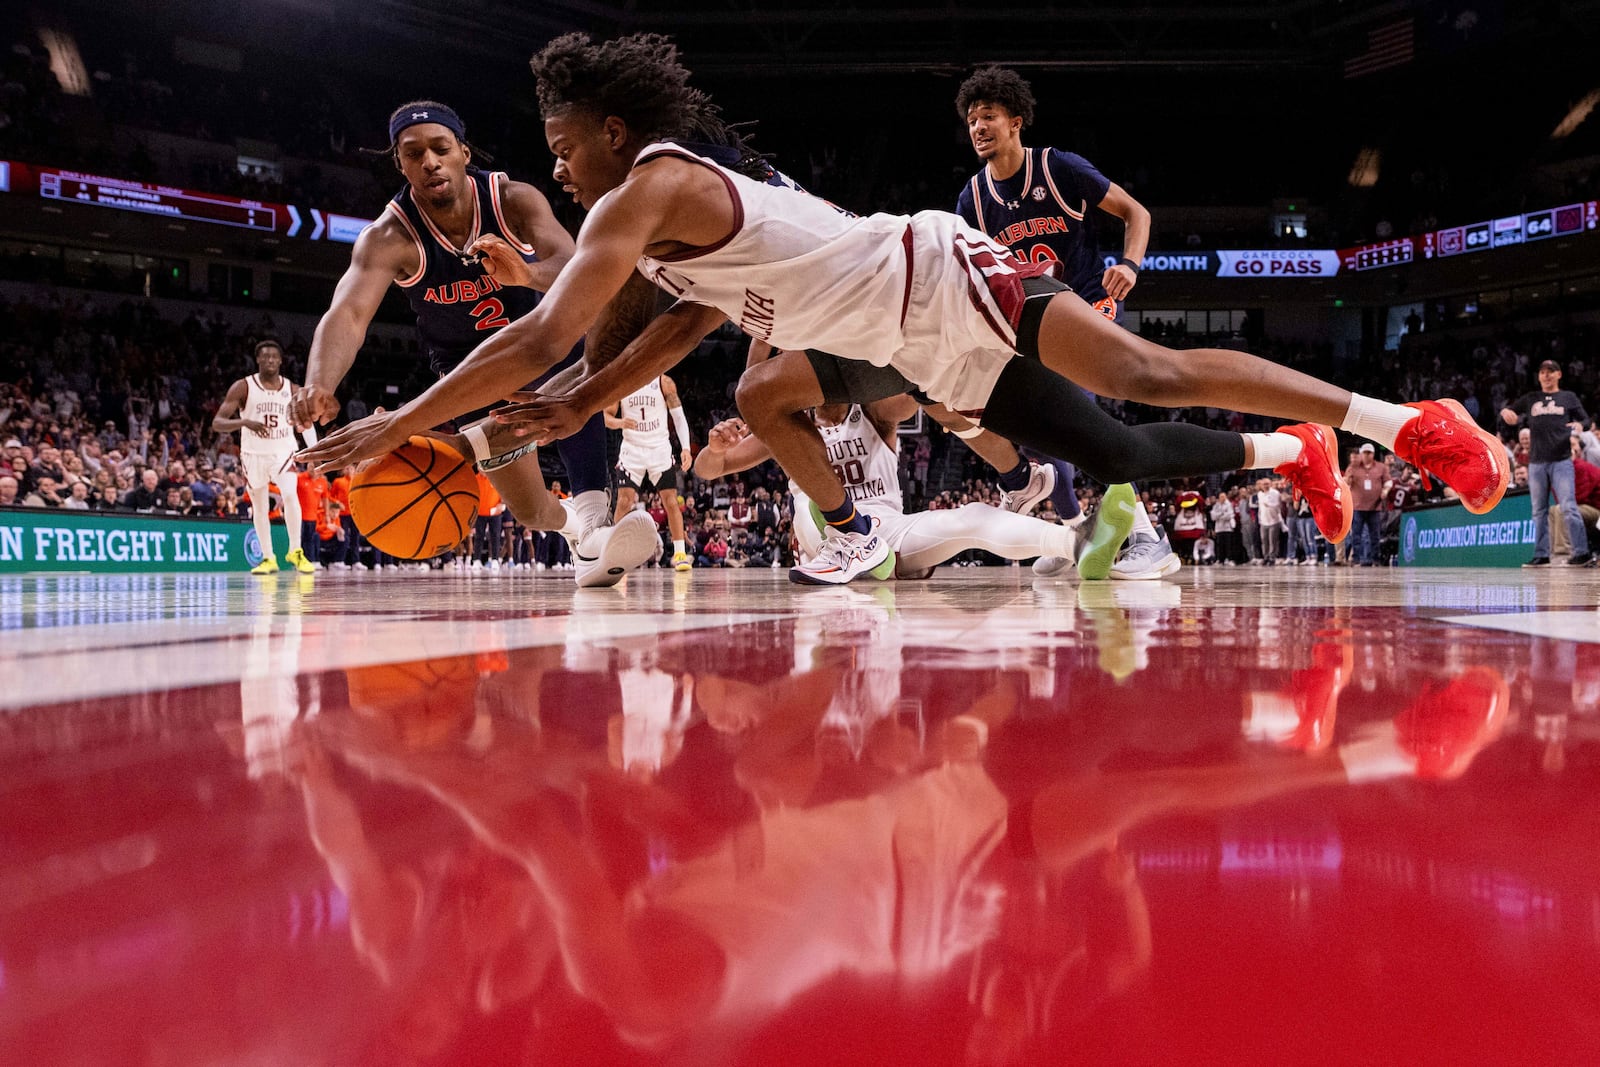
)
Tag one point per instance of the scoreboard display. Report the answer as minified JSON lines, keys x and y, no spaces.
{"x":1374,"y":256}
{"x":180,"y":205}
{"x":159,"y":200}
{"x":1564,"y":221}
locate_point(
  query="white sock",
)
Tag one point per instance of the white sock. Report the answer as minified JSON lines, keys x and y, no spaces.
{"x":1376,"y":420}
{"x":677,"y":548}
{"x":1273,"y":450}
{"x":1376,"y":759}
{"x":1141,"y":522}
{"x":593,"y":506}
{"x":260,"y":504}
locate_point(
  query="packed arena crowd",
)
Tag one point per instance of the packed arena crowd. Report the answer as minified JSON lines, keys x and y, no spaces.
{"x":106,"y":405}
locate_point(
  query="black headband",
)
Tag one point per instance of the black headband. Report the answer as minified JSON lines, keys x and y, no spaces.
{"x":416,"y":116}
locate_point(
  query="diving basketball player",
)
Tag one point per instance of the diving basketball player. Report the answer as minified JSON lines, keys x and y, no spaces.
{"x":472,"y":251}
{"x":258,"y":407}
{"x":950,"y":309}
{"x":646,"y":461}
{"x":1041,"y":202}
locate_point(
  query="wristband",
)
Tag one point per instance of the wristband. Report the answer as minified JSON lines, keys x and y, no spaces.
{"x":496,"y":462}
{"x":479,"y":442}
{"x":1124,"y":261}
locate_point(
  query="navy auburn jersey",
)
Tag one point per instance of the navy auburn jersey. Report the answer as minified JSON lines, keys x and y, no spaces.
{"x":458,"y":303}
{"x":1044,"y":212}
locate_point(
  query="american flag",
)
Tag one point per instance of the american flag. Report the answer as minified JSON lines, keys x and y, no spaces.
{"x":1387,"y":46}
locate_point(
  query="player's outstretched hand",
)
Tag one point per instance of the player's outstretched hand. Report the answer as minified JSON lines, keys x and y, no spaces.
{"x":544,"y":418}
{"x":725,"y":434}
{"x":313,"y":405}
{"x":501,"y":260}
{"x":371,"y":437}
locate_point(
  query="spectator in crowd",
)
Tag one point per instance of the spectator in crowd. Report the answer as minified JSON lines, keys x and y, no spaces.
{"x":1225,"y":521}
{"x":1586,"y":488}
{"x":46,"y":494}
{"x":1552,"y":414}
{"x":145,"y":497}
{"x":1366,"y":478}
{"x":77,"y":497}
{"x":1269,"y":516}
{"x":8,"y":490}
{"x":713,"y":550}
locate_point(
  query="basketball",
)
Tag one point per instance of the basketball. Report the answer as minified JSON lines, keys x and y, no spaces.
{"x":416,"y":502}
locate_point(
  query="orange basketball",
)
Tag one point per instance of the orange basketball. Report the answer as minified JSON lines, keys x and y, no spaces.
{"x":417,"y":501}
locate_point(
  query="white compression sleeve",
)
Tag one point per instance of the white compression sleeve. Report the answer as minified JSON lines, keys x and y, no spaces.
{"x":936,"y":536}
{"x":681,"y":424}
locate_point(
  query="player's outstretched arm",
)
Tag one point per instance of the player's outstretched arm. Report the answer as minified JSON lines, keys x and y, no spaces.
{"x":624,"y":318}
{"x":379,"y":257}
{"x":614,"y":238}
{"x":671,"y":336}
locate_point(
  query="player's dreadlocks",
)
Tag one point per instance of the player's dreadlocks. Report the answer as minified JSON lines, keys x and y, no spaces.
{"x":998,"y":86}
{"x":639,"y":79}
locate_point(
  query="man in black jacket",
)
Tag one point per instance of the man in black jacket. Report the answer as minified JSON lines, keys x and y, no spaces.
{"x":1550,"y":415}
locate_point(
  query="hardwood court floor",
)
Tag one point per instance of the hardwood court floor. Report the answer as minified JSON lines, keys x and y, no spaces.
{"x":1287,"y":816}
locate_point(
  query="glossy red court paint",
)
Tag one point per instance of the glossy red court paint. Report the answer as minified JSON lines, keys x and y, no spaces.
{"x":718,"y":820}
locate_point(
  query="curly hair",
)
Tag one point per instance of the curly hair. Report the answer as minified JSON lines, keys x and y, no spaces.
{"x":637,"y":78}
{"x":1000,"y":87}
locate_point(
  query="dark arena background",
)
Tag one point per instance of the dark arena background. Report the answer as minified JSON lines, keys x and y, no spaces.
{"x":1246,"y":791}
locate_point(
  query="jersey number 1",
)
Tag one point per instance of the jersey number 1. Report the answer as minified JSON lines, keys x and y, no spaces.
{"x":491,"y":315}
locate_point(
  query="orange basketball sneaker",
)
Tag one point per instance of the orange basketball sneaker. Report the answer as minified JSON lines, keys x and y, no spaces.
{"x":1316,"y":476}
{"x":1445,"y":442}
{"x":1450,"y":724}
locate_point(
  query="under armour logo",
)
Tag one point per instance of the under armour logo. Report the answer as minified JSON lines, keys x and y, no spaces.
{"x":419,"y":114}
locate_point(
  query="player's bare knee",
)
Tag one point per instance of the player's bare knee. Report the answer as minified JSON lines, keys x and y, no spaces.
{"x":758,"y":396}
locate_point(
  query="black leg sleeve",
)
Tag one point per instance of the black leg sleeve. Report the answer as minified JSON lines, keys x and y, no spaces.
{"x":1032,"y":405}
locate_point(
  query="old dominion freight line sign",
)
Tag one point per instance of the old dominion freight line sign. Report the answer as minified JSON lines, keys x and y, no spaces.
{"x":53,"y":539}
{"x":1451,"y":536}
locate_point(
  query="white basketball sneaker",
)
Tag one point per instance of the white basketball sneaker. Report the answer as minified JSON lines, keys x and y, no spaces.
{"x":605,"y":554}
{"x":845,"y":556}
{"x":1146,"y":558}
{"x":1041,"y":483}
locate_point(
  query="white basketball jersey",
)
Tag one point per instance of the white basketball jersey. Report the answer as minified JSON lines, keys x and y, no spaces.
{"x":864,"y":462}
{"x":270,"y":407}
{"x":648,"y":408}
{"x":925,"y":293}
{"x":797,"y":272}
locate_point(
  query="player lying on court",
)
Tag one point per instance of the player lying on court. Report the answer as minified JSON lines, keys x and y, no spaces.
{"x":941,"y":304}
{"x":860,"y":443}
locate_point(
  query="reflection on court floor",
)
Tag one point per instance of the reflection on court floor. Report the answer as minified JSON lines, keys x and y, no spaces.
{"x":713,"y":818}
